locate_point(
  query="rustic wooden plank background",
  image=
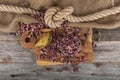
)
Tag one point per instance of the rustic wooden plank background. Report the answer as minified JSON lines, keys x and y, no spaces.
{"x":16,"y":63}
{"x":110,"y":35}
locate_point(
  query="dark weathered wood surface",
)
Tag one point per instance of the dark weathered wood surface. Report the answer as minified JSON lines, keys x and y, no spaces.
{"x":110,"y":35}
{"x":16,"y":63}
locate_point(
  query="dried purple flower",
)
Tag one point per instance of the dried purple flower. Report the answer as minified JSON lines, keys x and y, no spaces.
{"x":66,"y":43}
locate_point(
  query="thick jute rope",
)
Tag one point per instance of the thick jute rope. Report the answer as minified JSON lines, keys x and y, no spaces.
{"x":18,"y":10}
{"x":54,"y":16}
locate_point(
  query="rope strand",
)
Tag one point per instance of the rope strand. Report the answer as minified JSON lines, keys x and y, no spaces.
{"x":18,"y":10}
{"x":54,"y":16}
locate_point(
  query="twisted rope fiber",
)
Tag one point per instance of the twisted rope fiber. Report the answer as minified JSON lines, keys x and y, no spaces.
{"x":54,"y":16}
{"x":18,"y":10}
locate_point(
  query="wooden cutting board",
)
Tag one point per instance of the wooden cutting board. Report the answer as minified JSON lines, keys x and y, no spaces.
{"x":31,"y":46}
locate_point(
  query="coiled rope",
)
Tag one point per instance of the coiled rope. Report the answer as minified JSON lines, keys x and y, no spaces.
{"x":54,"y":16}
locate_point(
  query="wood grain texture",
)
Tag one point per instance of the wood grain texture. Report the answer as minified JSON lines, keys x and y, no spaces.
{"x":13,"y":52}
{"x":109,"y":35}
{"x":16,"y":63}
{"x":90,"y":71}
{"x":108,"y":51}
